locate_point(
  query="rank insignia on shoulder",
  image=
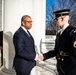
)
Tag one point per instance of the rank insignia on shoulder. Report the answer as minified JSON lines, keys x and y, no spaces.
{"x":74,"y":44}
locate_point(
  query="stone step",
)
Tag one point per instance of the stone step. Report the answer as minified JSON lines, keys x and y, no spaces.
{"x":2,"y":73}
{"x":47,"y":66}
{"x":43,"y":68}
{"x":5,"y":71}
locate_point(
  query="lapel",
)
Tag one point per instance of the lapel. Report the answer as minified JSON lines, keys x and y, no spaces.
{"x":29,"y":37}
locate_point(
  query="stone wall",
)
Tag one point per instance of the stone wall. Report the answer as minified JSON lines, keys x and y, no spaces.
{"x":0,"y":24}
{"x":0,"y":15}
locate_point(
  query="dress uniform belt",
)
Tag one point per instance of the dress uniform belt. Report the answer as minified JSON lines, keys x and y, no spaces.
{"x":64,"y":53}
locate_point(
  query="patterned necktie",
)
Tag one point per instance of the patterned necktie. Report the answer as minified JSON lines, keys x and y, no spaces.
{"x":28,"y":33}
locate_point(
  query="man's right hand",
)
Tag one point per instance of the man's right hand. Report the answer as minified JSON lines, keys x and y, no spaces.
{"x":40,"y":57}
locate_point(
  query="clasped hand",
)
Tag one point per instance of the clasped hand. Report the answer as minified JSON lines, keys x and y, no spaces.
{"x":40,"y":57}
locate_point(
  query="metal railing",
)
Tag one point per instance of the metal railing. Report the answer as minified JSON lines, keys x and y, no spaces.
{"x":47,"y":45}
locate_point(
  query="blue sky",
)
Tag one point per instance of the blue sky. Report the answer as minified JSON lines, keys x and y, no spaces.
{"x":48,"y":18}
{"x":48,"y":2}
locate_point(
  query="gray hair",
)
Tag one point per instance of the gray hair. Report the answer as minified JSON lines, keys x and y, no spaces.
{"x":24,"y":17}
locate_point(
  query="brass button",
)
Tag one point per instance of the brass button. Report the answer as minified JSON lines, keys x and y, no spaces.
{"x":62,"y":59}
{"x":59,"y":58}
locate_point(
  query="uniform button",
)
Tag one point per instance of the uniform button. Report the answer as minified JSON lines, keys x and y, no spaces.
{"x":59,"y":58}
{"x":62,"y":59}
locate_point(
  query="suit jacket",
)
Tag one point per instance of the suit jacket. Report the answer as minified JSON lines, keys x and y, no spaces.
{"x":24,"y":52}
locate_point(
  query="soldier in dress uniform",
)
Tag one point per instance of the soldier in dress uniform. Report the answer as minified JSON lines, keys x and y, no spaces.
{"x":65,"y":44}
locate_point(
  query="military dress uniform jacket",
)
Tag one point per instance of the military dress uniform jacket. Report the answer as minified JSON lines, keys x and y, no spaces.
{"x":65,"y":50}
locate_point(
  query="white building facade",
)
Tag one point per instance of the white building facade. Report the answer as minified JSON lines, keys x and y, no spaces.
{"x":12,"y":11}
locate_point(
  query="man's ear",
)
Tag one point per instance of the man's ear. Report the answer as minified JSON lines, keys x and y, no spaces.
{"x":23,"y":23}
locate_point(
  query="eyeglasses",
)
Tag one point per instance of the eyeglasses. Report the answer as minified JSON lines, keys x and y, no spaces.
{"x":56,"y":19}
{"x":29,"y":21}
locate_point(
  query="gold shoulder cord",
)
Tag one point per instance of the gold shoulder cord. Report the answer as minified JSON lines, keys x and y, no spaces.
{"x":74,"y":44}
{"x":71,"y":31}
{"x":62,"y":70}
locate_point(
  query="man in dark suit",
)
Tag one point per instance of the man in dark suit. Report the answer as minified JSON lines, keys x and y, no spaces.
{"x":65,"y":46}
{"x":25,"y":55}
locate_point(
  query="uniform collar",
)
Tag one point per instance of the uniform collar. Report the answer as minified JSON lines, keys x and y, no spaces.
{"x":64,"y":27}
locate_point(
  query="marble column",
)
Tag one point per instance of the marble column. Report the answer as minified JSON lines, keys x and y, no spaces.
{"x":13,"y":10}
{"x":39,"y":22}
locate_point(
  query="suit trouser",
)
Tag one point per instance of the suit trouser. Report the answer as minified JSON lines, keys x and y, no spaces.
{"x":22,"y":72}
{"x":33,"y":72}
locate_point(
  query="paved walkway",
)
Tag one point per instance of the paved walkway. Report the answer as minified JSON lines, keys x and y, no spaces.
{"x":43,"y":68}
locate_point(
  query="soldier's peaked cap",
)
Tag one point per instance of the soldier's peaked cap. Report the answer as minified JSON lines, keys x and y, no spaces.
{"x":62,"y":12}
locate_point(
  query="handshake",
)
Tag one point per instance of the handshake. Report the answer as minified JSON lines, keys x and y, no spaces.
{"x":40,"y":57}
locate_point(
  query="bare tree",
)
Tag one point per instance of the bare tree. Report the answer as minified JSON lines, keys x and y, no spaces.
{"x":57,"y":5}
